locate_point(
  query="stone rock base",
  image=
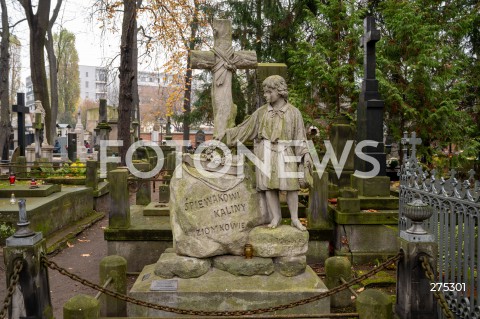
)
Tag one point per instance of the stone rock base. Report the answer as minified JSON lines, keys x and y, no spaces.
{"x":218,"y":290}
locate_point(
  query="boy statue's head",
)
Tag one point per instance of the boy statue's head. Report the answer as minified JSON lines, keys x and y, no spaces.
{"x":276,"y":82}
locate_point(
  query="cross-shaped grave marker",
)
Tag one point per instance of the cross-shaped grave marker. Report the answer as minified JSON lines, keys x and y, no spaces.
{"x":370,"y":106}
{"x":223,"y":61}
{"x":21,"y":109}
{"x":413,"y":141}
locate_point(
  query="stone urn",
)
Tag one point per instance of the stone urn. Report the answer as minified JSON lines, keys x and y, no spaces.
{"x":417,"y":211}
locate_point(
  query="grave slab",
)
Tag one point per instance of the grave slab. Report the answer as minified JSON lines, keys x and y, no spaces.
{"x":25,"y":191}
{"x":156,"y":209}
{"x":218,"y":290}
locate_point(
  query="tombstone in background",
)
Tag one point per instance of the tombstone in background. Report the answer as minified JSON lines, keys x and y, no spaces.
{"x":72,"y":146}
{"x":79,"y":130}
{"x":46,"y":150}
{"x":370,"y":119}
{"x":21,"y":110}
{"x":199,"y":138}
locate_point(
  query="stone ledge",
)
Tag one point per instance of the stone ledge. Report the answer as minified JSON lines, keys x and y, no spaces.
{"x":218,"y":290}
{"x":103,"y":188}
{"x":382,"y":217}
{"x":25,"y":191}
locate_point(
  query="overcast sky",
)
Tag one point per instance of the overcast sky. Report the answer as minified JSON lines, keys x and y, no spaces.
{"x":92,"y":48}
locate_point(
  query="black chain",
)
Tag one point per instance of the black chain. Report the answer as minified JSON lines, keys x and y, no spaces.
{"x":11,"y":289}
{"x":126,"y":298}
{"x":438,"y":294}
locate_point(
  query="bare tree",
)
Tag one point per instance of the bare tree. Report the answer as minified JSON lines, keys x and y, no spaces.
{"x":4,"y":81}
{"x":53,"y":67}
{"x":128,"y":74}
{"x":39,"y":24}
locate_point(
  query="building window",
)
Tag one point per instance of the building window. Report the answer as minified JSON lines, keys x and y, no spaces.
{"x":86,"y":84}
{"x":86,"y":74}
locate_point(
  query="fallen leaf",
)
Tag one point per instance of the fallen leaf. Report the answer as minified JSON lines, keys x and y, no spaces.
{"x":84,"y":240}
{"x":360,"y":289}
{"x":70,"y":245}
{"x":85,"y":255}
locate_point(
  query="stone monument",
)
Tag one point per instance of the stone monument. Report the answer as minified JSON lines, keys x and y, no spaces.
{"x":81,"y":149}
{"x":223,"y":61}
{"x":224,"y":256}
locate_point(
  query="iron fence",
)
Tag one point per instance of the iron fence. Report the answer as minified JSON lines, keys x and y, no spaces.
{"x":454,"y":225}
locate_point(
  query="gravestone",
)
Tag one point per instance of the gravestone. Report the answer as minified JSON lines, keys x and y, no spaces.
{"x":21,"y":110}
{"x":199,"y":138}
{"x":79,"y":130}
{"x":222,"y":60}
{"x":370,"y":106}
{"x":215,"y":218}
{"x":370,"y":119}
{"x":103,"y":128}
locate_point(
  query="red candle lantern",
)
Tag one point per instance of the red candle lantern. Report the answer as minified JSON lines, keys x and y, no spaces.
{"x":12,"y":178}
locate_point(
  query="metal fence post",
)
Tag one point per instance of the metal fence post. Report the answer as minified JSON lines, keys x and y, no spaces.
{"x":28,"y":300}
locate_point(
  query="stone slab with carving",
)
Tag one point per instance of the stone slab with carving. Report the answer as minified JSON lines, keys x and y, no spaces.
{"x":282,"y":241}
{"x":212,"y":216}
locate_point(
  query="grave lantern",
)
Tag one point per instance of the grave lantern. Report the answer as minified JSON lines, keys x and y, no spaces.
{"x":12,"y":179}
{"x":418,"y":211}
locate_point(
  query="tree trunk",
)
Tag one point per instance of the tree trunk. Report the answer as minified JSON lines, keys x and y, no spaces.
{"x":127,"y":75}
{"x":38,"y":24}
{"x":188,"y":78}
{"x":4,"y":82}
{"x":52,"y":64}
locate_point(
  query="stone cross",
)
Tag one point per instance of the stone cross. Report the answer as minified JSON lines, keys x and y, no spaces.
{"x":223,"y":61}
{"x":413,"y":140}
{"x":370,"y":107}
{"x":21,"y":109}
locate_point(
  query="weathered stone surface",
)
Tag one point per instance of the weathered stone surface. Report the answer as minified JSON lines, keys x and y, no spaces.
{"x":282,"y":241}
{"x":170,"y":265}
{"x":212,"y":216}
{"x":290,"y":266}
{"x":221,"y":291}
{"x":240,"y":266}
{"x":374,"y":304}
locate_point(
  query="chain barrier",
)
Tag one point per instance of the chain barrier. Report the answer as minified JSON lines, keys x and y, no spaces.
{"x":17,"y":268}
{"x":52,"y":265}
{"x":438,"y":294}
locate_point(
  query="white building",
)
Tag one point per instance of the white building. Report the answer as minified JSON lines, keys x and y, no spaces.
{"x":93,"y":82}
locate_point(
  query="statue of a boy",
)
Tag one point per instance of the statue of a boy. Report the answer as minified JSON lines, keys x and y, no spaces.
{"x":277,"y":130}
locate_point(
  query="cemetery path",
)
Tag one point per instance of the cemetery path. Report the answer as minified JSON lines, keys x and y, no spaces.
{"x":82,"y":257}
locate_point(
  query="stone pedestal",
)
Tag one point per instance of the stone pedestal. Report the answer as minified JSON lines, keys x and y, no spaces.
{"x":33,"y":300}
{"x":219,"y":290}
{"x":414,"y":298}
{"x":30,"y":153}
{"x":47,"y":152}
{"x":119,"y":216}
{"x":375,"y":186}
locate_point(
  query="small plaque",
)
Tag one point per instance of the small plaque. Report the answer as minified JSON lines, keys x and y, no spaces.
{"x":164,"y":285}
